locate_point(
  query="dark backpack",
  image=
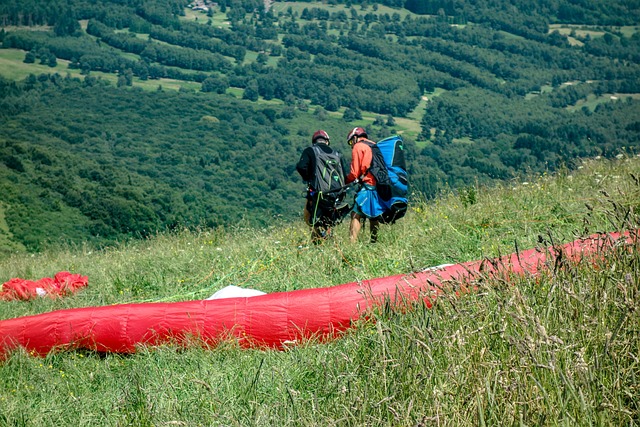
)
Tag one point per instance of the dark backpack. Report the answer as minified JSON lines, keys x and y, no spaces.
{"x":328,"y":177}
{"x":379,"y":170}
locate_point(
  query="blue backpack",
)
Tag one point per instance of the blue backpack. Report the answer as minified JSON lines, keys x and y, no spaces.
{"x":392,"y":150}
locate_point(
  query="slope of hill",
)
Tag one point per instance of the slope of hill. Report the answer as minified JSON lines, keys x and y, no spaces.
{"x":561,"y":346}
{"x":101,"y":148}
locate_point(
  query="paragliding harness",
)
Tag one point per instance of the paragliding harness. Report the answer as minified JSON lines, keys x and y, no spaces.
{"x":389,"y":168}
{"x":326,"y":210}
{"x":327,"y":190}
{"x":378,"y":169}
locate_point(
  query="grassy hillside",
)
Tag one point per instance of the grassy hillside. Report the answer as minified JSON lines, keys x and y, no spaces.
{"x":560,"y":348}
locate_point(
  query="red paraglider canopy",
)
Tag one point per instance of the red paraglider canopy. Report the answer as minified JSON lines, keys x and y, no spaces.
{"x":61,"y":284}
{"x":272,"y":320}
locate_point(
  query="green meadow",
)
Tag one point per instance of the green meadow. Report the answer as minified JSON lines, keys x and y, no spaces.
{"x":558,"y":348}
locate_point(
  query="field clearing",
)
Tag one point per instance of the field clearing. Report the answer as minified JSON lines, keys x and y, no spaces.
{"x":9,"y":28}
{"x":297,"y":8}
{"x":466,"y":140}
{"x":574,"y":42}
{"x":283,"y":7}
{"x":543,"y":89}
{"x":593,"y":30}
{"x":405,"y":126}
{"x":418,"y":112}
{"x":170,"y":84}
{"x":12,"y":68}
{"x":251,"y":57}
{"x":578,"y":32}
{"x":141,"y":36}
{"x":408,"y":128}
{"x":509,"y":35}
{"x":593,"y":101}
{"x":412,"y":123}
{"x":218,"y":19}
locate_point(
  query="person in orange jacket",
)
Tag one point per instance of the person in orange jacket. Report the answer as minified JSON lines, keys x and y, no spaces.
{"x":367,"y":196}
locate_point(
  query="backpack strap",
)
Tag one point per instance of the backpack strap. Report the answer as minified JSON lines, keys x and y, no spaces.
{"x":316,"y":151}
{"x":370,"y":145}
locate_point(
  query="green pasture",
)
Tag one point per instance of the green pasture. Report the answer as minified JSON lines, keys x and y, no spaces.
{"x":543,"y":89}
{"x":592,"y":101}
{"x":410,"y":126}
{"x":464,"y":141}
{"x":574,"y":41}
{"x":582,"y":31}
{"x":578,"y":30}
{"x":141,"y":36}
{"x":218,"y":19}
{"x":30,"y":28}
{"x":298,"y":7}
{"x":12,"y":67}
{"x":509,"y":35}
{"x":560,"y":347}
{"x":251,"y":57}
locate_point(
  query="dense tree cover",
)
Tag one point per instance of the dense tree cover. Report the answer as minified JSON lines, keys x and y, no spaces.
{"x":532,"y":16}
{"x":106,"y":161}
{"x":133,"y":163}
{"x":523,"y":136}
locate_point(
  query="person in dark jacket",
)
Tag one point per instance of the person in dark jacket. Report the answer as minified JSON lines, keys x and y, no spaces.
{"x":320,"y":216}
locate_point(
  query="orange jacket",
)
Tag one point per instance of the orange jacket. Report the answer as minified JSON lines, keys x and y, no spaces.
{"x":361,"y":156}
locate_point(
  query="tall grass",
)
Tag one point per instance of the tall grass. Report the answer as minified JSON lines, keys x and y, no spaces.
{"x":561,"y":348}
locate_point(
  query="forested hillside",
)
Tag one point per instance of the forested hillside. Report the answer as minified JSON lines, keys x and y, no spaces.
{"x":97,"y":145}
